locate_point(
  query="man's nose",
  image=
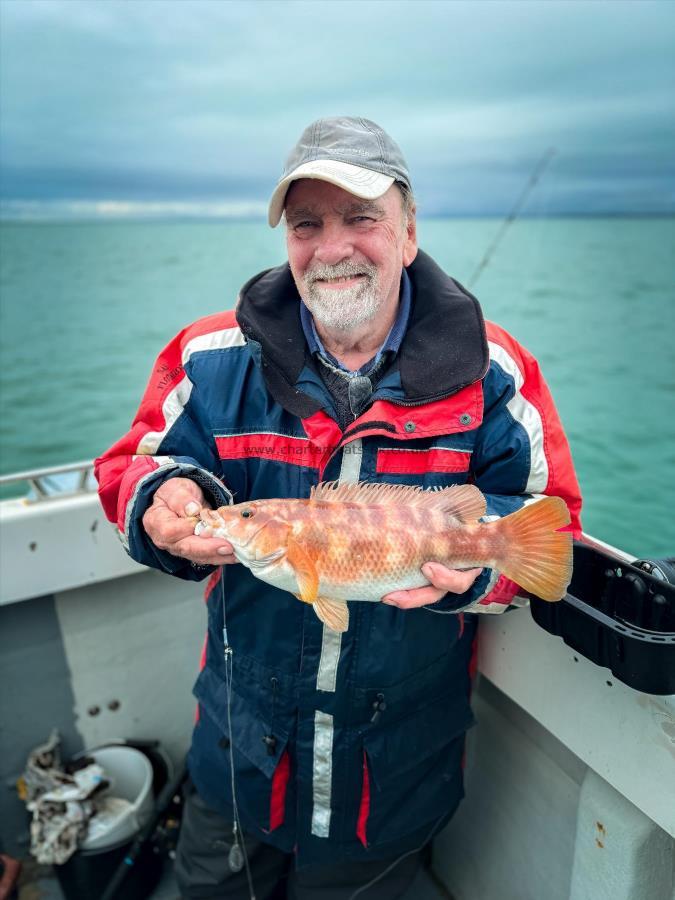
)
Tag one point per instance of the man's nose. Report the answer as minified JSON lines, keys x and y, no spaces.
{"x":335,"y":244}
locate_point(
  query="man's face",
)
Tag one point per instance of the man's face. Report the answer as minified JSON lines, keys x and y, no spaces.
{"x":346,"y":254}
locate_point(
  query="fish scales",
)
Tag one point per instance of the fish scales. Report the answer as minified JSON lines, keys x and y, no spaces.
{"x":369,"y":551}
{"x":381,"y":548}
{"x":361,"y":541}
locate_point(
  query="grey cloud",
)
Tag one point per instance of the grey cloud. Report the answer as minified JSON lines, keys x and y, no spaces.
{"x":186,"y":99}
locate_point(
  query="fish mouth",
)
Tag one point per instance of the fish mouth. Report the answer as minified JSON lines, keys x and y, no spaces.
{"x":223,"y":530}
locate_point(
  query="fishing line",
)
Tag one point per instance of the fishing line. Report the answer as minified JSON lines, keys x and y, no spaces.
{"x":513,"y":214}
{"x":386,"y":871}
{"x":237,"y":858}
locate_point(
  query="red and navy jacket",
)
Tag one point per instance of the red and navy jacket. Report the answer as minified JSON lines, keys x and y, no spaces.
{"x":345,"y":746}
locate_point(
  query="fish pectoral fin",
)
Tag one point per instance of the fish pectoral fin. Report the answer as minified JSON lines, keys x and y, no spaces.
{"x":305,"y":571}
{"x":333,"y":613}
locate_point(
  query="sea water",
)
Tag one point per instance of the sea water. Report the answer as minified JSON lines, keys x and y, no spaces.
{"x":85,"y":308}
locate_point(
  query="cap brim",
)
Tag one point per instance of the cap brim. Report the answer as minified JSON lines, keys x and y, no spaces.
{"x":364,"y":183}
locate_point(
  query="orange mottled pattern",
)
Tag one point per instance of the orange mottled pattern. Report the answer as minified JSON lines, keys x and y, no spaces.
{"x":350,"y":545}
{"x":353,"y":544}
{"x":350,"y":541}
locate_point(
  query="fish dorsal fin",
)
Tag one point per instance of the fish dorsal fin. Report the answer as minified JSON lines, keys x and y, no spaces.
{"x":462,"y":501}
{"x":333,"y":613}
{"x":305,"y":571}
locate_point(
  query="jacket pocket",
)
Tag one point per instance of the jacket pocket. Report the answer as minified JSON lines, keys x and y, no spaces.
{"x":412,"y":771}
{"x":259,"y":750}
{"x":422,"y":461}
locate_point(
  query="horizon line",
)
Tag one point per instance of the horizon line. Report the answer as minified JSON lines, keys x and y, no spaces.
{"x":107,"y":210}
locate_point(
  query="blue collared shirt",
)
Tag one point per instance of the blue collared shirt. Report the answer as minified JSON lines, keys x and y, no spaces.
{"x":392,"y":341}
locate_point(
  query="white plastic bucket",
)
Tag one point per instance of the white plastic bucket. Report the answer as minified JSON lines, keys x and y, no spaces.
{"x":130,"y":774}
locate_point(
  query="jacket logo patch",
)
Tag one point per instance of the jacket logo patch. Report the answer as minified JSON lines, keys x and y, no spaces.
{"x":392,"y":461}
{"x":167,"y":374}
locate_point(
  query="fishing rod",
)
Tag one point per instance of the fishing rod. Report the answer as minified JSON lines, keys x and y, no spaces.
{"x":513,"y":214}
{"x":143,"y":840}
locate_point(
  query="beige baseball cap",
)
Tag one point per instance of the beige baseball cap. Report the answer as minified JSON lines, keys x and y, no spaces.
{"x":354,"y":154}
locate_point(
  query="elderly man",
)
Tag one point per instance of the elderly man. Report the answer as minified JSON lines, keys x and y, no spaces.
{"x":359,"y":360}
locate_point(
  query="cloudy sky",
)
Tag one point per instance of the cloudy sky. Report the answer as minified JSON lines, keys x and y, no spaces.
{"x":172,"y":107}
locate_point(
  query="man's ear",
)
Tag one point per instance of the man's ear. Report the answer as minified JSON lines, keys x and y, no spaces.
{"x":410,"y":245}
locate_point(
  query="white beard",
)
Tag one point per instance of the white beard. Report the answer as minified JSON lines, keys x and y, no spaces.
{"x":342,"y":309}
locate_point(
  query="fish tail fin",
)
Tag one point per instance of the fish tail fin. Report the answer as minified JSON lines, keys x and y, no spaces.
{"x":538,"y":557}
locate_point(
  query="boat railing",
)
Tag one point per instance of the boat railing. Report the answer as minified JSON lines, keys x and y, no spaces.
{"x":76,"y":478}
{"x":50,"y":482}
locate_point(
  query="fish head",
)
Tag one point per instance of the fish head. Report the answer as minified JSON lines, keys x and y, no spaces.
{"x":256,"y":530}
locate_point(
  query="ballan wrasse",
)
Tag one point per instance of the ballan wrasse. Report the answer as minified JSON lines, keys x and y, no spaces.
{"x":360,"y":541}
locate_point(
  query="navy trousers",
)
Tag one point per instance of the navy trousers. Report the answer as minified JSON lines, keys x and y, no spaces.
{"x":203,"y":872}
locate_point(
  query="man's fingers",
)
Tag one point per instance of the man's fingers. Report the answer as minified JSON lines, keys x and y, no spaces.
{"x":182,"y":496}
{"x":204,"y":551}
{"x":163,"y":525}
{"x":171,"y":519}
{"x":173,"y":531}
{"x":442,"y":580}
{"x":452,"y":580}
{"x":413,"y":598}
{"x":184,"y":501}
{"x":176,"y":536}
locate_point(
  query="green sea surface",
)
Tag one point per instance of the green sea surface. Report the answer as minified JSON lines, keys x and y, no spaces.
{"x":85,"y":308}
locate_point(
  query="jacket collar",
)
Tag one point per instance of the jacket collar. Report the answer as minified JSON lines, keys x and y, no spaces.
{"x":444,"y":348}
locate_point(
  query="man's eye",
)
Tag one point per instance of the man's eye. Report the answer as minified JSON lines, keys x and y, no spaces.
{"x":359,"y":220}
{"x":304,"y":225}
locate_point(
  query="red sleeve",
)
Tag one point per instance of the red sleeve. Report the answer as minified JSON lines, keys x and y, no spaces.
{"x":550,"y":449}
{"x":148,"y":444}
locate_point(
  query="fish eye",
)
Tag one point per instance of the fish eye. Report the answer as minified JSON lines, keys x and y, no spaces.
{"x":246,"y":513}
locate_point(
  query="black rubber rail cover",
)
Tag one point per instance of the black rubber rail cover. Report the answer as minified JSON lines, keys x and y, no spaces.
{"x":619,"y":617}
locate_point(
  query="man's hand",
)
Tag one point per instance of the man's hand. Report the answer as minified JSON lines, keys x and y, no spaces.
{"x":170,"y":524}
{"x":442,"y":580}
